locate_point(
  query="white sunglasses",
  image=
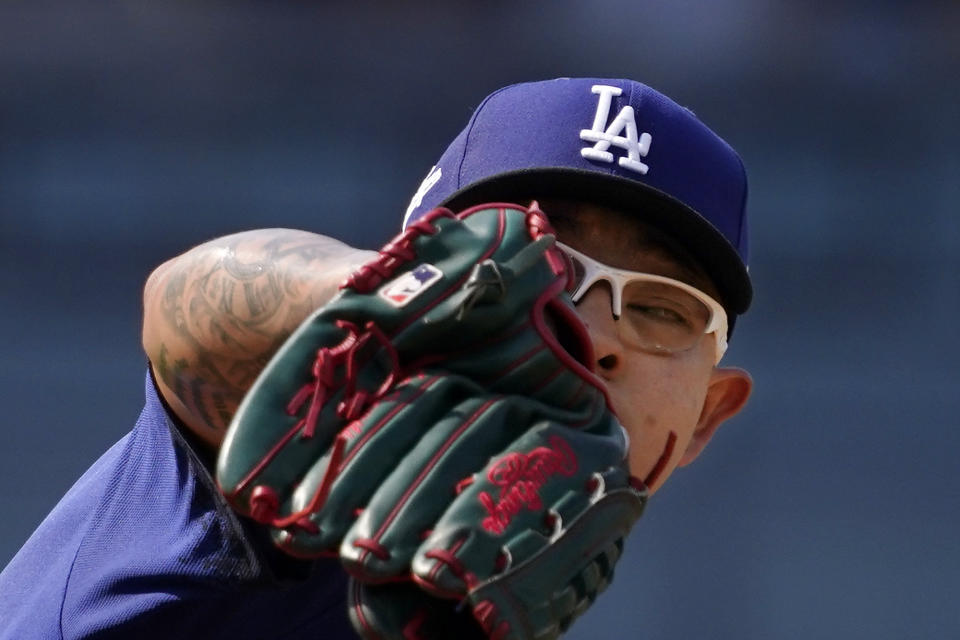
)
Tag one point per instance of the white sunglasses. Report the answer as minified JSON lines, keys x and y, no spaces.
{"x":663,"y":315}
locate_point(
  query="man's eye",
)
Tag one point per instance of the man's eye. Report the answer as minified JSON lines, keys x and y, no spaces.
{"x":658,"y":314}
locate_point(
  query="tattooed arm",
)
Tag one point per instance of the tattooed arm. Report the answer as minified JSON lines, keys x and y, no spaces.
{"x":214,"y":315}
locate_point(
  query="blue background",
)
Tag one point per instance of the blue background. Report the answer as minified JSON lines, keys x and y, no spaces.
{"x":130,"y":131}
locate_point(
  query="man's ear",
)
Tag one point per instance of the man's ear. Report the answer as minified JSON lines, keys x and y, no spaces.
{"x":727,"y":392}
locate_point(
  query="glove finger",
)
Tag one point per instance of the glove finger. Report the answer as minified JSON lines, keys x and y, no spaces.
{"x":401,"y":611}
{"x":404,"y":509}
{"x":266,"y":444}
{"x":540,"y":598}
{"x":336,"y":490}
{"x":521,"y":505}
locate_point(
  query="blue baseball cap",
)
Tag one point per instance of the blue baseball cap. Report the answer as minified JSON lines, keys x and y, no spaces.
{"x":616,"y":143}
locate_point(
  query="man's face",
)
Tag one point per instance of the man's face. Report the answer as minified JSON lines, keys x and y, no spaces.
{"x":652,"y":394}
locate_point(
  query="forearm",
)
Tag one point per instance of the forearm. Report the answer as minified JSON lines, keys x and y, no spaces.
{"x":215,"y":315}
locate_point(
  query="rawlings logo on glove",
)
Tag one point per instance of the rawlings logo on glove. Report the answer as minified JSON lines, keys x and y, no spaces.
{"x":520,"y":477}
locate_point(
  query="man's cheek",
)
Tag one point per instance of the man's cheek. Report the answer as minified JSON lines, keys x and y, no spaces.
{"x":643,"y":449}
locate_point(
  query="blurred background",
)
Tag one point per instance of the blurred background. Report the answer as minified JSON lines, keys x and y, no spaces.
{"x":131,"y":131}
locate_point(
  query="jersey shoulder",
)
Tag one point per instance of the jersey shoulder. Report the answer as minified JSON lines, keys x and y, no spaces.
{"x":144,"y":544}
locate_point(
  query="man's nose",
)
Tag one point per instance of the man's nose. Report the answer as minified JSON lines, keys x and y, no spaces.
{"x":596,"y":311}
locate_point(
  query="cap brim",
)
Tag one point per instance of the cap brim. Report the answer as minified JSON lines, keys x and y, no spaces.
{"x":704,"y":242}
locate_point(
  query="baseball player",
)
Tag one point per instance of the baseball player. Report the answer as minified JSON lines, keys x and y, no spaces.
{"x":648,"y":209}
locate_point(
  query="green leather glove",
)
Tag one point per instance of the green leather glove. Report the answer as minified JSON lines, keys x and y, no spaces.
{"x":438,"y":426}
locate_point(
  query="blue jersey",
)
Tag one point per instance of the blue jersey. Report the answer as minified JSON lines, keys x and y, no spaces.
{"x":144,"y":546}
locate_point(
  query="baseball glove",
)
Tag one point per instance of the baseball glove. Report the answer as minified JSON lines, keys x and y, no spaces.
{"x":438,"y":427}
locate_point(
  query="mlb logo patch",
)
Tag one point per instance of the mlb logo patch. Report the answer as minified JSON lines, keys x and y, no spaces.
{"x":411,"y":284}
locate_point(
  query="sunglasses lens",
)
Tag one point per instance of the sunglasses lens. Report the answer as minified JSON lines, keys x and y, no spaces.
{"x":661,"y":317}
{"x":655,"y":316}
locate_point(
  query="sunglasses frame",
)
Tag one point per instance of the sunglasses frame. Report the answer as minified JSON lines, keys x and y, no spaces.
{"x":595,"y":271}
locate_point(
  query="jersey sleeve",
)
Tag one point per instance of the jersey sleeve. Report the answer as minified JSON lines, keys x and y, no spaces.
{"x":144,"y":546}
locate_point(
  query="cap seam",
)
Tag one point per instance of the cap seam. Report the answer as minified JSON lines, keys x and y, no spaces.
{"x":742,"y":241}
{"x":470,"y":126}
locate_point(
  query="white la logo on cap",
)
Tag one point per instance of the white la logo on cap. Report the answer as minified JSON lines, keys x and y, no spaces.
{"x":636,"y":147}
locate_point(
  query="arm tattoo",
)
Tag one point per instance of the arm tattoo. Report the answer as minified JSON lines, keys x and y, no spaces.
{"x":231,"y":305}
